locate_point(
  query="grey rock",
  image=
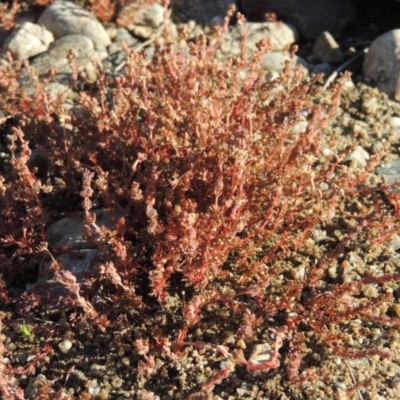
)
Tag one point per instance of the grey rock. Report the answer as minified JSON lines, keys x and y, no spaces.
{"x":382,"y":63}
{"x":78,"y":261}
{"x":69,"y":230}
{"x":64,"y":18}
{"x":323,"y":68}
{"x":310,"y":17}
{"x":57,"y":57}
{"x":122,"y":36}
{"x":146,"y":21}
{"x":28,"y":40}
{"x":114,"y":60}
{"x":274,"y":62}
{"x":327,"y":50}
{"x":281,"y":36}
{"x":391,"y":170}
{"x":202,"y":11}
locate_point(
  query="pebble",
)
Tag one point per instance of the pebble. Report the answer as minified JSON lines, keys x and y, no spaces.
{"x":358,"y":158}
{"x":65,"y":346}
{"x":370,"y":291}
{"x":395,"y":382}
{"x":394,"y":122}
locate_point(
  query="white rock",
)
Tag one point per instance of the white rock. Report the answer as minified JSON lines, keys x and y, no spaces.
{"x":394,"y":243}
{"x":370,"y":291}
{"x":370,"y":105}
{"x":28,"y":40}
{"x":358,"y":158}
{"x":382,"y":63}
{"x":66,"y":18}
{"x":394,"y":122}
{"x":65,"y":345}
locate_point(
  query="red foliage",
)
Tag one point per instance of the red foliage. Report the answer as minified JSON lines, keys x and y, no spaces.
{"x":214,"y":187}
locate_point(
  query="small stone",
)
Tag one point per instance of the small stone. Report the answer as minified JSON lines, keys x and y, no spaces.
{"x":298,"y":273}
{"x":394,"y":122}
{"x":93,"y":387}
{"x":370,"y":105}
{"x":103,"y":394}
{"x":358,"y":158}
{"x":396,"y":309}
{"x":65,"y":345}
{"x":125,"y":361}
{"x":394,"y":243}
{"x":395,"y":382}
{"x":10,"y":346}
{"x":370,"y":291}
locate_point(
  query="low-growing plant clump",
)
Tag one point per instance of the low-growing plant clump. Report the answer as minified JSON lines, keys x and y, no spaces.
{"x":218,"y":182}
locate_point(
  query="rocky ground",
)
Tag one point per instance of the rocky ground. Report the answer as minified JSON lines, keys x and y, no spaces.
{"x":61,"y":354}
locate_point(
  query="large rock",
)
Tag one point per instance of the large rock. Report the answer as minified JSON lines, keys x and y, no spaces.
{"x":311,"y":17}
{"x":57,"y":58}
{"x":64,"y":18}
{"x":382,"y":63}
{"x":280,"y":36}
{"x":327,"y":50}
{"x":28,"y":40}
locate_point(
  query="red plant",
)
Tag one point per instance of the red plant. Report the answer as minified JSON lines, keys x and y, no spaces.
{"x":213,"y":189}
